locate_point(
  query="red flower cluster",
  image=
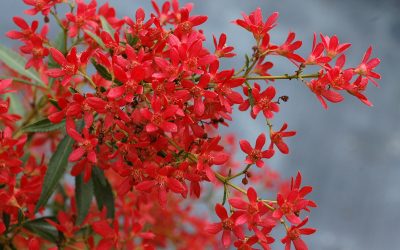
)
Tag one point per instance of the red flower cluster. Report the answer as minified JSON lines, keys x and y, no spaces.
{"x":139,"y":103}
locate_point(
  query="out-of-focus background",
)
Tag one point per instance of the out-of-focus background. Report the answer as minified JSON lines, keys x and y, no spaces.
{"x":350,"y":153}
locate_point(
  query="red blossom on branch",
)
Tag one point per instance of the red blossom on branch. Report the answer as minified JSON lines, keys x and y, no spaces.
{"x":255,"y":155}
{"x":135,"y":105}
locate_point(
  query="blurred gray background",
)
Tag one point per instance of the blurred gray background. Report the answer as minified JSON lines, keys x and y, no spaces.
{"x":350,"y":153}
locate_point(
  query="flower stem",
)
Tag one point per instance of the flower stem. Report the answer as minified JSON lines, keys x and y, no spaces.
{"x":244,"y":171}
{"x":286,"y":76}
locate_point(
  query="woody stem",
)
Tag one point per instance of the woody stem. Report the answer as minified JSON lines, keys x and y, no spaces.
{"x":286,"y":76}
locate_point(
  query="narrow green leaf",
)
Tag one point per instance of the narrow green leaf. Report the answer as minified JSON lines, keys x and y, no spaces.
{"x":103,"y":192}
{"x":106,"y":26}
{"x":21,"y":216}
{"x":103,"y":72}
{"x":251,"y":98}
{"x":247,"y":61}
{"x":60,"y":42}
{"x":132,"y":40}
{"x":55,"y":103}
{"x":6,"y":220}
{"x":44,"y":125}
{"x":96,"y":38}
{"x":84,"y":196}
{"x":56,"y":168}
{"x":225,"y":195}
{"x":15,"y":61}
{"x":43,"y":229}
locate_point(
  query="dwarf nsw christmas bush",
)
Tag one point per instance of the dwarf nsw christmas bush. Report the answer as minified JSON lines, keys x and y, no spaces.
{"x":132,"y":108}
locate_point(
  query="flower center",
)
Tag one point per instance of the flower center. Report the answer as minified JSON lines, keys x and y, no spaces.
{"x":69,"y":69}
{"x":286,"y":208}
{"x":157,"y":119}
{"x":255,"y":155}
{"x":196,"y":91}
{"x":264,"y":103}
{"x":162,"y":180}
{"x":192,"y":63}
{"x":228,"y":224}
{"x":37,"y":52}
{"x":186,"y":26}
{"x":294,"y":234}
{"x":87,"y":145}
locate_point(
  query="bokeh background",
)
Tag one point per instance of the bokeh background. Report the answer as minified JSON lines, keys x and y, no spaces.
{"x":350,"y":153}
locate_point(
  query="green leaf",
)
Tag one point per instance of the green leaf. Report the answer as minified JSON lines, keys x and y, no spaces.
{"x":132,"y":40}
{"x":106,"y":26}
{"x":6,"y":220}
{"x":44,"y":125}
{"x":60,"y":42}
{"x":103,"y":72}
{"x":55,"y":103}
{"x":247,"y":61}
{"x":103,"y":192}
{"x":83,"y":195}
{"x":56,"y":168}
{"x":96,"y":38}
{"x":21,"y":216}
{"x":225,"y":195}
{"x":15,"y":61}
{"x":43,"y":229}
{"x":251,"y":98}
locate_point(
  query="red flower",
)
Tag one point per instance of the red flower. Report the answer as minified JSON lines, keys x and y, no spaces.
{"x":255,"y":155}
{"x":159,"y":118}
{"x":26,"y":32}
{"x":294,"y":234}
{"x":211,"y":154}
{"x":6,"y":118}
{"x":35,"y":48}
{"x":169,"y":69}
{"x":251,"y":212}
{"x":43,"y":6}
{"x":291,"y":200}
{"x":163,"y":182}
{"x":86,"y":145}
{"x":139,"y":27}
{"x":187,"y":23}
{"x":262,"y":68}
{"x":227,"y":224}
{"x":221,"y":50}
{"x":317,"y":55}
{"x":358,"y":86}
{"x":254,"y":23}
{"x":65,"y":224}
{"x":198,"y":91}
{"x":4,"y":84}
{"x":131,"y":83}
{"x":367,"y":66}
{"x":246,"y":244}
{"x":110,"y":235}
{"x":84,"y":18}
{"x":332,"y":46}
{"x":111,"y":43}
{"x":69,"y":65}
{"x":321,"y":90}
{"x":287,"y":49}
{"x":263,"y":102}
{"x":276,"y":138}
